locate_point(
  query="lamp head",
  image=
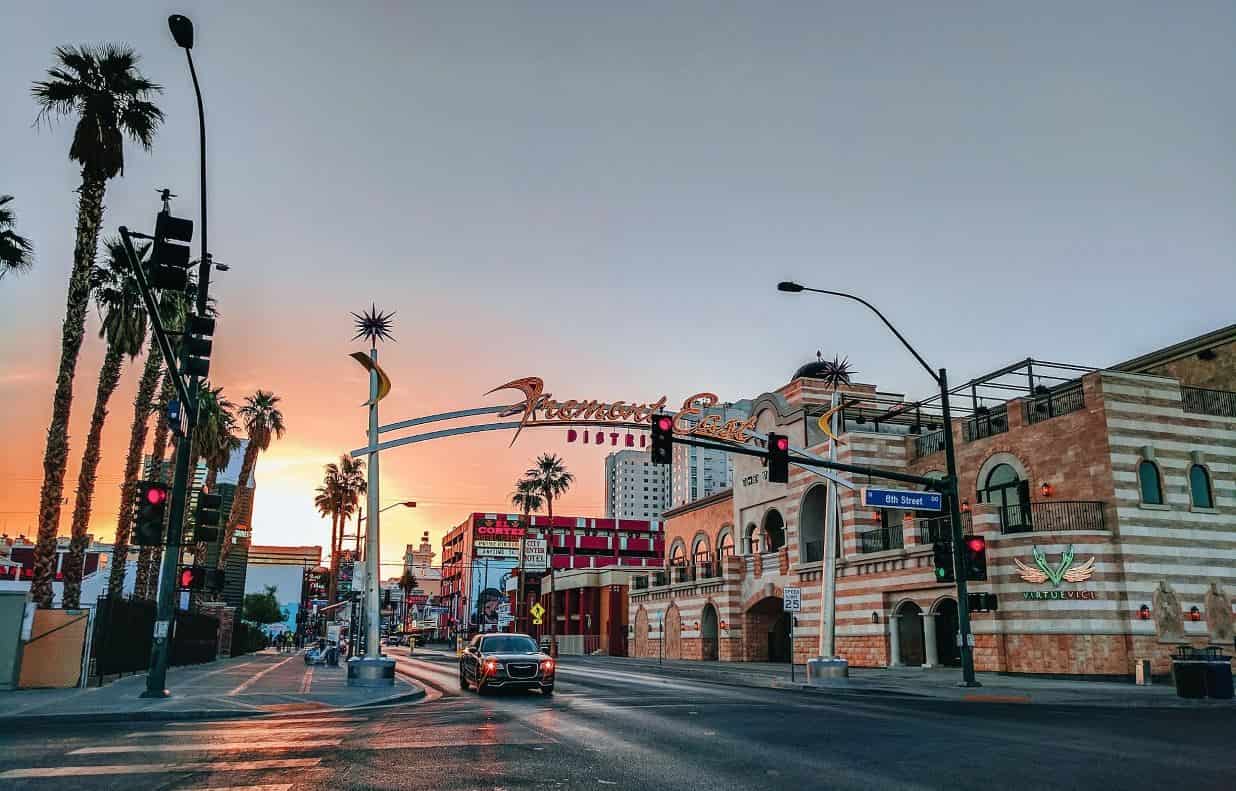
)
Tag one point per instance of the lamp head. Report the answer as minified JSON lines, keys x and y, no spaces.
{"x":789,"y":286}
{"x":182,"y":30}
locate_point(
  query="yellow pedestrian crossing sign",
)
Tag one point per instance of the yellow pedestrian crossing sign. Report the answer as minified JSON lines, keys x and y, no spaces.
{"x":537,"y":611}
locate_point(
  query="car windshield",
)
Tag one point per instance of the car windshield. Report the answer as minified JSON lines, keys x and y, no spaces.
{"x":509,"y":644}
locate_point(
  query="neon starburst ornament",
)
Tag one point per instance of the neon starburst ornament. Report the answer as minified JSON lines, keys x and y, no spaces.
{"x":373,"y":325}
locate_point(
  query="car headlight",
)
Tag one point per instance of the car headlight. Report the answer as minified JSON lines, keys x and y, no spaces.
{"x":547,"y":665}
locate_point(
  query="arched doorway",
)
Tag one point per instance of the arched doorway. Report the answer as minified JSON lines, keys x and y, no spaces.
{"x":912,"y":652}
{"x":641,"y":633}
{"x":811,"y":525}
{"x":948,"y":653}
{"x":773,"y":530}
{"x":708,"y":632}
{"x":769,"y":630}
{"x":671,"y":633}
{"x":751,"y":540}
{"x":1005,"y":489}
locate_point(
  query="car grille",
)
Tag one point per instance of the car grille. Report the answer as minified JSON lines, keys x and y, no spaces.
{"x":521,"y":669}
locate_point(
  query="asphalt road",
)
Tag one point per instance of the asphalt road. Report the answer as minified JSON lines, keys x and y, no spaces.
{"x":608,"y":728}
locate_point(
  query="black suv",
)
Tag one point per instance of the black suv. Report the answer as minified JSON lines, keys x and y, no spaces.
{"x":505,"y":661}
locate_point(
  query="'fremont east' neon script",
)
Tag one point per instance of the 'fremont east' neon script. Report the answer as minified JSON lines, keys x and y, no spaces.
{"x":540,"y":408}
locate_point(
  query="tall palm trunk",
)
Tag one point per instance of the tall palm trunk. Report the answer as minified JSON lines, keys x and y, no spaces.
{"x":109,"y":378}
{"x":142,"y":404}
{"x":233,"y":518}
{"x":335,"y":542}
{"x":56,"y":454}
{"x":149,"y":558}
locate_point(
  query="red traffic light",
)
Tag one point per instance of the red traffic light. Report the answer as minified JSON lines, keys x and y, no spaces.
{"x":186,"y":578}
{"x":156,"y":495}
{"x":783,"y":443}
{"x":977,"y":544}
{"x":664,"y":423}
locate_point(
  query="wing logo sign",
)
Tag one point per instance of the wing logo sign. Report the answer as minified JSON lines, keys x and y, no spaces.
{"x":1065,"y":571}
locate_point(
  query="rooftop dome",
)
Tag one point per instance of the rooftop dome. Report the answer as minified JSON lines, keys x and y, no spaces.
{"x":835,"y":371}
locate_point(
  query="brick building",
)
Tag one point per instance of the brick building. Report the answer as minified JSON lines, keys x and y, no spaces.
{"x":1106,"y":497}
{"x":480,"y":560}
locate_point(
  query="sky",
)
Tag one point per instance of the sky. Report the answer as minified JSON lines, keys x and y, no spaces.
{"x":605,"y":196}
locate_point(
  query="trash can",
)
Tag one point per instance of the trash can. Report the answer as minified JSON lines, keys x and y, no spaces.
{"x":1189,"y":673}
{"x":1219,"y":677}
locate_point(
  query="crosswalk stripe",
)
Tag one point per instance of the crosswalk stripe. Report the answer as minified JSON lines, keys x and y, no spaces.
{"x":254,"y":678}
{"x":267,"y":787}
{"x":125,"y":769}
{"x":267,"y":731}
{"x":263,"y":722}
{"x":112,"y":749}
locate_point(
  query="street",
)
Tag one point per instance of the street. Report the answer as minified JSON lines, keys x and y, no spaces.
{"x":612,"y":728}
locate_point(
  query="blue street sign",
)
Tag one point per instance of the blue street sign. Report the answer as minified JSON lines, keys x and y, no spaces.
{"x":897,"y":498}
{"x":176,"y":419}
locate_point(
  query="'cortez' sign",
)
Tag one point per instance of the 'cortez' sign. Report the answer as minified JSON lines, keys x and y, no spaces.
{"x":540,"y":409}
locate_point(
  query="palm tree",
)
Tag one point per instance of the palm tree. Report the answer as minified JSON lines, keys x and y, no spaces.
{"x":551,"y":478}
{"x":327,"y":502}
{"x":16,"y":252}
{"x":109,"y":97}
{"x":149,"y":558}
{"x":173,"y":307}
{"x":263,"y":422}
{"x":527,"y":496}
{"x":124,"y":327}
{"x":214,"y":441}
{"x":339,"y":495}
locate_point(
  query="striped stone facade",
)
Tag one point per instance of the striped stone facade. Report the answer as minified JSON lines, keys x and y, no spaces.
{"x":1150,"y":565}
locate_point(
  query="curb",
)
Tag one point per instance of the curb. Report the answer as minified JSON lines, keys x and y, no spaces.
{"x":962,"y":696}
{"x":37,"y":720}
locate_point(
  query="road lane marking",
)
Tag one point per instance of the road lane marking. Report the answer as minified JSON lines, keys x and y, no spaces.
{"x":205,"y":747}
{"x":981,"y":698}
{"x":253,"y":679}
{"x":126,"y":769}
{"x":306,"y":681}
{"x":260,"y":731}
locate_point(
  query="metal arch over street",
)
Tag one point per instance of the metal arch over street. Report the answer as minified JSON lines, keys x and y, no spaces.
{"x":515,"y":425}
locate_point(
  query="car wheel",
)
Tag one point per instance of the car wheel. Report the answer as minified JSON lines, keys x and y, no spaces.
{"x":463,"y":680}
{"x":548,"y":691}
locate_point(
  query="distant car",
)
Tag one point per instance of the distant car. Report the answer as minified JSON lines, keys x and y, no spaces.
{"x":505,"y":661}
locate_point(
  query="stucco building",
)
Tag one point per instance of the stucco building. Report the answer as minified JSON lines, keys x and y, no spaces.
{"x":1106,"y":496}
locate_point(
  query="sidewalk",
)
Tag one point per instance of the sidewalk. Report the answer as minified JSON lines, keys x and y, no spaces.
{"x":917,"y":683}
{"x":245,"y":686}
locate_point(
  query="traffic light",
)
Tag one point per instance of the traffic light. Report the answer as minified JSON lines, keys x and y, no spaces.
{"x":192,"y":578}
{"x":169,"y":260}
{"x":206,"y":517}
{"x":215,"y":579}
{"x":982,"y":602}
{"x":943,"y":553}
{"x":974,"y":554}
{"x":196,"y":345}
{"x":662,"y":439}
{"x":778,"y":458}
{"x":148,"y":513}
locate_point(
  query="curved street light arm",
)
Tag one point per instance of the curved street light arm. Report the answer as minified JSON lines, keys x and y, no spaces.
{"x":887,"y":323}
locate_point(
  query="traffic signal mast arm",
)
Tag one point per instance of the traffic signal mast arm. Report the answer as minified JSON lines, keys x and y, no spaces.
{"x":156,"y":323}
{"x":936,"y":484}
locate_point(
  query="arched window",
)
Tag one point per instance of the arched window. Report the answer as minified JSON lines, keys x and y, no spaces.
{"x":773,"y":530}
{"x":1199,"y":487}
{"x":1011,"y":496}
{"x":811,"y":525}
{"x":1150,"y":482}
{"x":700,"y":553}
{"x":678,"y":555}
{"x":725,"y":545}
{"x":751,"y":539}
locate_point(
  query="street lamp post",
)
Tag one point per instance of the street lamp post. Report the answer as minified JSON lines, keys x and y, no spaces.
{"x":160,"y":655}
{"x":951,"y":482}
